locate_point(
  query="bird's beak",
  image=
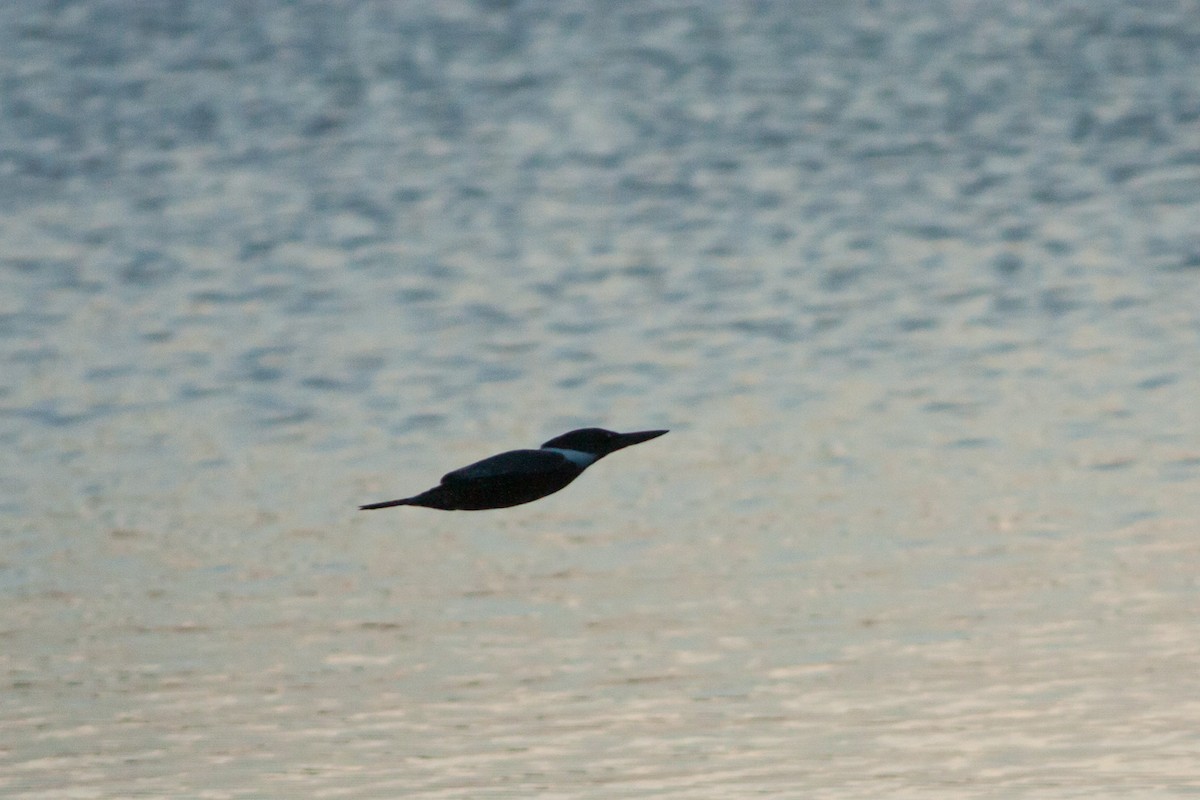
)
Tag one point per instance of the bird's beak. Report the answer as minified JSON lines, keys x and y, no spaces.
{"x":626,"y":439}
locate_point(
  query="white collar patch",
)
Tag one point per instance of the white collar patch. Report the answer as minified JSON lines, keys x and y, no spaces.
{"x":576,"y":457}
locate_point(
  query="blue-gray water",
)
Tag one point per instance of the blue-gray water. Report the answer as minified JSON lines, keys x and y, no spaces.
{"x":915,"y":285}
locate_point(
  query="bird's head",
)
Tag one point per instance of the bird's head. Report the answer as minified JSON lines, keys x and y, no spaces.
{"x":598,"y":441}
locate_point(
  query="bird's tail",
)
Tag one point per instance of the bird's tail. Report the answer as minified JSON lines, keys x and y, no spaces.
{"x":405,"y":501}
{"x":437,"y":497}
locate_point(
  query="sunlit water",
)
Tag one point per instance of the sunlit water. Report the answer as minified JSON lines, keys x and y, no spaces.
{"x":914,"y":286}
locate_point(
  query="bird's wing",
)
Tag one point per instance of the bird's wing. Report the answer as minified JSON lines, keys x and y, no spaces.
{"x":511,"y":464}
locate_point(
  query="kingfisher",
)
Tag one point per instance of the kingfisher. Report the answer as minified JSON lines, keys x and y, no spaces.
{"x":521,"y":476}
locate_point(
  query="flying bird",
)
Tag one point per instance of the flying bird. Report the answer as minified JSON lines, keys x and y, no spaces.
{"x":521,"y":476}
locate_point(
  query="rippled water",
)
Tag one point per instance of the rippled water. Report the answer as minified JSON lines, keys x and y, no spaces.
{"x":914,"y":285}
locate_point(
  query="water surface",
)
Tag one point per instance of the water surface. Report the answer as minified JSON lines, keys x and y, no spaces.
{"x":913,"y":285}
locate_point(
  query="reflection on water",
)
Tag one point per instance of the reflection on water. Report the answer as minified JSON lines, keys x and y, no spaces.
{"x":912,"y":287}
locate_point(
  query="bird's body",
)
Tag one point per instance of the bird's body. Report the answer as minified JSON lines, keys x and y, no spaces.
{"x":521,"y":476}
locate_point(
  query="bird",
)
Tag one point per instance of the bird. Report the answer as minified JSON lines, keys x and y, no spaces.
{"x":521,"y":476}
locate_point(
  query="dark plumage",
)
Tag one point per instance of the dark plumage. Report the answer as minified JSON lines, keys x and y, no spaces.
{"x":521,"y":476}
